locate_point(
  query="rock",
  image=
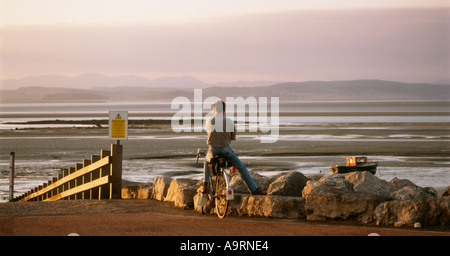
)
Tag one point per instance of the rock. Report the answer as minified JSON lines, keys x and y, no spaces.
{"x":145,"y":192}
{"x":401,"y":183}
{"x":238,"y":185}
{"x":209,"y":205}
{"x":406,"y":190}
{"x":336,"y":181}
{"x":356,"y":196}
{"x":364,"y":197}
{"x":160,"y":187}
{"x":325,"y":202}
{"x":129,"y":192}
{"x":428,"y":212}
{"x":446,"y":191}
{"x":414,"y":192}
{"x":333,"y":197}
{"x":275,"y":176}
{"x":261,"y":206}
{"x":314,"y":176}
{"x":289,"y":184}
{"x":182,"y":192}
{"x":444,"y":207}
{"x":137,"y":192}
{"x":268,"y":206}
{"x":368,"y":183}
{"x":431,"y":192}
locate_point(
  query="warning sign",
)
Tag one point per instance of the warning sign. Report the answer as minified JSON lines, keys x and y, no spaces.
{"x":118,"y":125}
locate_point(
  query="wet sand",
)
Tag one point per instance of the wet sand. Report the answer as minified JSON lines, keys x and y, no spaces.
{"x":407,"y":144}
{"x":153,"y":138}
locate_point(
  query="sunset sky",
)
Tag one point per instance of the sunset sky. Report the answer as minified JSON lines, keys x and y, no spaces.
{"x":216,"y":40}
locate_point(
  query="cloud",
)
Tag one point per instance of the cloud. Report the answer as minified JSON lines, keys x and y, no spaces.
{"x":397,"y":44}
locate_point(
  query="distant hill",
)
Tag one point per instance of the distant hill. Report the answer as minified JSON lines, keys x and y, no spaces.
{"x":132,"y":88}
{"x":48,"y":94}
{"x":341,"y":90}
{"x":93,"y":80}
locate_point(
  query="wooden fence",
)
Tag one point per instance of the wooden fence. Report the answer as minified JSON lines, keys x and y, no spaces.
{"x":97,"y":178}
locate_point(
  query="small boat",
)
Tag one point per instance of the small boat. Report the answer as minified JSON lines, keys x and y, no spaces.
{"x":355,"y":164}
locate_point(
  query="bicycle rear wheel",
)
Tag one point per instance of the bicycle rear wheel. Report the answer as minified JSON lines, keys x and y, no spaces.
{"x":221,"y":199}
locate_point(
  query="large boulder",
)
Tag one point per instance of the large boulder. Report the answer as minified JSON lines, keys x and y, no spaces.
{"x":137,"y":192}
{"x":428,"y":212}
{"x":401,"y":183}
{"x":289,"y":184}
{"x":129,"y":192}
{"x":333,"y":197}
{"x":334,"y":180}
{"x":238,"y":185}
{"x":446,"y":191}
{"x":145,"y":192}
{"x":268,"y":206}
{"x":182,"y":192}
{"x":414,"y":192}
{"x":366,"y":182}
{"x":407,"y":190}
{"x":160,"y":187}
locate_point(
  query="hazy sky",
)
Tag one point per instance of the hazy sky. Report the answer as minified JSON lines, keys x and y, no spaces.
{"x":216,"y":40}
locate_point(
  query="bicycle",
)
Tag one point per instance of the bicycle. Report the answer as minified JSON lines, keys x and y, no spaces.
{"x":219,"y":185}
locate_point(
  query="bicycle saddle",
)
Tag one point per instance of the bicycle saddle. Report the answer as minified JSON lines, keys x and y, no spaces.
{"x":219,"y":160}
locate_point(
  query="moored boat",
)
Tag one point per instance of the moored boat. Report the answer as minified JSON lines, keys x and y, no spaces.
{"x":354,"y":164}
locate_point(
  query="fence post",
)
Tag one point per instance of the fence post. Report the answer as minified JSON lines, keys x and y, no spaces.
{"x":11,"y":176}
{"x":116,"y":171}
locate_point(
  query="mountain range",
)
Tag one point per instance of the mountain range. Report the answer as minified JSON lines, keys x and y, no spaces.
{"x":93,"y":80}
{"x":99,"y":88}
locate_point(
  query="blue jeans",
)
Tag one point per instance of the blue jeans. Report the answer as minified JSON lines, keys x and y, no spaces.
{"x":233,"y":160}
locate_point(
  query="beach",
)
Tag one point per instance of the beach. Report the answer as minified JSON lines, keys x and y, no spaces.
{"x":415,"y":151}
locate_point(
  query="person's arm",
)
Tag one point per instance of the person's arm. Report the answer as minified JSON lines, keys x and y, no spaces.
{"x":233,"y":127}
{"x":233,"y":134}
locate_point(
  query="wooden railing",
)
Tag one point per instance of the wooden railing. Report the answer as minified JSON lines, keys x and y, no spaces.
{"x":97,"y":178}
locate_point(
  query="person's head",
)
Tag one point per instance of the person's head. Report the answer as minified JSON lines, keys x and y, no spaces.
{"x":219,"y":106}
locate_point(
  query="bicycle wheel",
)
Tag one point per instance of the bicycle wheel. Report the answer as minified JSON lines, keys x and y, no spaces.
{"x":221,"y":199}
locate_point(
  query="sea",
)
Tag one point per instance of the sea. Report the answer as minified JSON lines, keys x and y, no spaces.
{"x":375,"y":114}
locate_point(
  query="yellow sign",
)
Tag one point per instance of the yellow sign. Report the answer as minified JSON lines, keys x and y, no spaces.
{"x":118,"y":125}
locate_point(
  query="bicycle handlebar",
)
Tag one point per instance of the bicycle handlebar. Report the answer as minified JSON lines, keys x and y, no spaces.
{"x":199,"y":151}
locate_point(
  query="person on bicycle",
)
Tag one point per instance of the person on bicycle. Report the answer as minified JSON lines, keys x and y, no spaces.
{"x":221,"y":131}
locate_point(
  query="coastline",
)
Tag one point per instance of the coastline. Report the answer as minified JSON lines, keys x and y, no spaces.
{"x":153,"y":146}
{"x":153,"y":149}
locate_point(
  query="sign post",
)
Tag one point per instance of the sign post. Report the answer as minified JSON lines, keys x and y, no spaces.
{"x":118,"y":125}
{"x":11,"y":176}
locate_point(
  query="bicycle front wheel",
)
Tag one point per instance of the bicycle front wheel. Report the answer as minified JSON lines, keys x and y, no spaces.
{"x":221,"y":199}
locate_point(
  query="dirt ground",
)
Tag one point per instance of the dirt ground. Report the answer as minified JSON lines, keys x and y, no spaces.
{"x":154,"y":218}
